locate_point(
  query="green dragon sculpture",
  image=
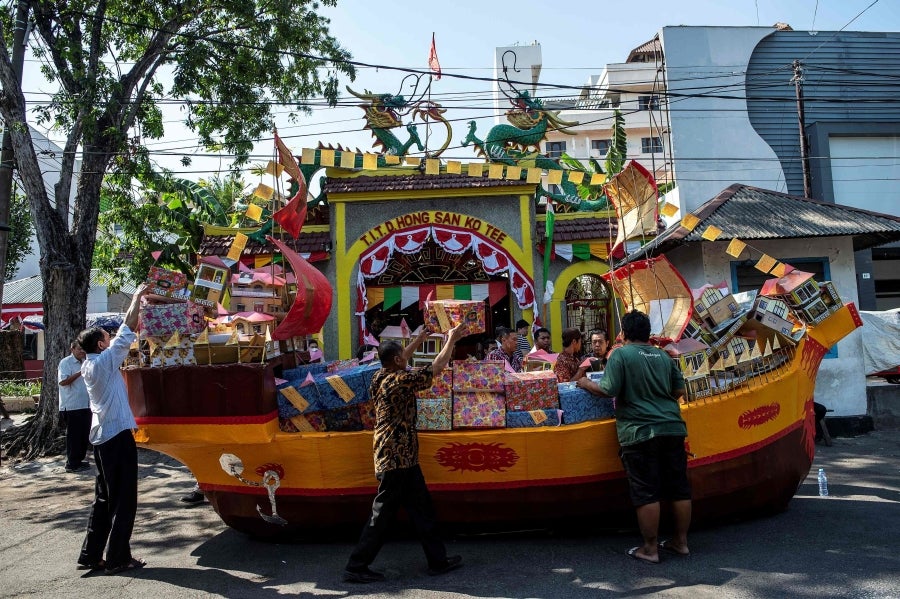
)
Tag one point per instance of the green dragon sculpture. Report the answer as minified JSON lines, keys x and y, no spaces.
{"x":518,"y":144}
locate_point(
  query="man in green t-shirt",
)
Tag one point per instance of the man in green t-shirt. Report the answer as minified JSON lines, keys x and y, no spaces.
{"x":647,"y":383}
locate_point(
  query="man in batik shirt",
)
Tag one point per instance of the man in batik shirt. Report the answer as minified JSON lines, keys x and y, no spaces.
{"x":507,"y":352}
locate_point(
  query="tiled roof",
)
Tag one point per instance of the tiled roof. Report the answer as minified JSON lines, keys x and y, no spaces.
{"x":751,"y":213}
{"x":581,"y":229}
{"x":651,"y":47}
{"x":218,"y":245}
{"x":412,"y":182}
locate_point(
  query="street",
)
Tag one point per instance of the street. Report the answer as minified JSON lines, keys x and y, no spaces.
{"x":844,"y":545}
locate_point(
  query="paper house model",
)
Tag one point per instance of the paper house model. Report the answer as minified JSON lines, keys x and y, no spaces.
{"x":800,"y":291}
{"x":714,"y":305}
{"x":261,"y":290}
{"x":211,"y":284}
{"x":774,"y":314}
{"x":253,"y":323}
{"x":830,"y":297}
{"x":428,"y":351}
{"x":395,"y":333}
{"x":692,"y":357}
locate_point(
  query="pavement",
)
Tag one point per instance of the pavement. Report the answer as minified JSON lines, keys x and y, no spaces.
{"x":844,"y":545}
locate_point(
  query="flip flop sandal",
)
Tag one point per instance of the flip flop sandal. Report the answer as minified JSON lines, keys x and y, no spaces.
{"x":133,"y":564}
{"x":666,"y":547}
{"x":633,"y":553}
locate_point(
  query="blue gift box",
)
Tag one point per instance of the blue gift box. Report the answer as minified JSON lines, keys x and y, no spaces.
{"x":516,"y":419}
{"x":309,"y":392}
{"x":357,"y":379}
{"x":299,"y":373}
{"x":343,"y":419}
{"x":578,"y":405}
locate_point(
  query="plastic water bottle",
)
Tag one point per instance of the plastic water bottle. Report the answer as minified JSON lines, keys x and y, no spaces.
{"x":823,"y":483}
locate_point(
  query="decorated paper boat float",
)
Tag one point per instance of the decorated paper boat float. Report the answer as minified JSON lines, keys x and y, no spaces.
{"x":267,"y":470}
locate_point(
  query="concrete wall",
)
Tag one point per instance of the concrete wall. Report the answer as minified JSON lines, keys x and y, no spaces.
{"x":841,"y":384}
{"x":708,"y":133}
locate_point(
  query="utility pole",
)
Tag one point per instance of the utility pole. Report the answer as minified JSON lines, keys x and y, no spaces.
{"x":20,"y":35}
{"x":797,"y":80}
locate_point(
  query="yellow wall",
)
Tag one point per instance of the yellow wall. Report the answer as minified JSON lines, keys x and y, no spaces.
{"x":557,"y":302}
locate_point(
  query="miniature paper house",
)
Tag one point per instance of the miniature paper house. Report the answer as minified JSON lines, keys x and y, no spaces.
{"x":801,"y":292}
{"x":211,"y":284}
{"x":714,"y":306}
{"x":260,"y":290}
{"x":253,"y":323}
{"x":428,"y":351}
{"x":773,"y":313}
{"x":395,"y":333}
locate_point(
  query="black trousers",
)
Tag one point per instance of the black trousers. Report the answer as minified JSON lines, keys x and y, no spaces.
{"x":78,"y":427}
{"x":115,"y":503}
{"x":404,"y":487}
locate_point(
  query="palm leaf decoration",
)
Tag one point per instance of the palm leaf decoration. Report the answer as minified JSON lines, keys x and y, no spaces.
{"x":618,"y":150}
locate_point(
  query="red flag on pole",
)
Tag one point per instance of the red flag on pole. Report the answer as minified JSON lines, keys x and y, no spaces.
{"x":433,"y":61}
{"x":292,"y":216}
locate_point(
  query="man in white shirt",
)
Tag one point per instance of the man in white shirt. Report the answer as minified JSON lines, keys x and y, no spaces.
{"x":74,"y":408}
{"x":115,"y":493}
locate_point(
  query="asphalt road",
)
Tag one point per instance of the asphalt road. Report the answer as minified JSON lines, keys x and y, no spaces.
{"x":845,"y":545}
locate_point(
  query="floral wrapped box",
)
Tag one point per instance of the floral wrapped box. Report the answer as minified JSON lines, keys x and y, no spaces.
{"x":434,"y":414}
{"x":482,"y":409}
{"x":441,"y":386}
{"x":367,"y":415}
{"x":533,"y":418}
{"x":478,"y":376}
{"x":527,"y":391}
{"x":312,"y":422}
{"x":443,"y":315}
{"x":578,"y":405}
{"x":341,"y":365}
{"x":165,"y":282}
{"x":161,"y":320}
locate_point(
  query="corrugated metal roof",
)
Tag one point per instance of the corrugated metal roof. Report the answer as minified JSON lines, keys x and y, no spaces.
{"x":412,"y":182}
{"x":30,"y":289}
{"x":752,"y":213}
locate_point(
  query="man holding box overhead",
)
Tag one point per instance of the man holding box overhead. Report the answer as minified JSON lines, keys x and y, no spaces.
{"x":396,"y":448}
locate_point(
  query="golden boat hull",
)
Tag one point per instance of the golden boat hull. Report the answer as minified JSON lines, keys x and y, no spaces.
{"x":750,"y":449}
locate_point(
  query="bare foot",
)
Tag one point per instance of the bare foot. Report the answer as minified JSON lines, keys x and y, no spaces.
{"x":670,"y":547}
{"x":639,"y":555}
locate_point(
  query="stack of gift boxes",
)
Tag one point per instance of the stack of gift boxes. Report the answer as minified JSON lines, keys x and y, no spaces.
{"x":333,"y":400}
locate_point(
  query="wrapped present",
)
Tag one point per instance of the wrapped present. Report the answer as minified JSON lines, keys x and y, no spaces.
{"x":167,"y":283}
{"x":434,"y":414}
{"x":526,"y":391}
{"x":161,"y":320}
{"x":345,"y":387}
{"x":533,"y":418}
{"x":311,"y":422}
{"x":295,"y":398}
{"x":286,"y":426}
{"x":481,"y":409}
{"x":486,"y":375}
{"x":579,"y":405}
{"x":341,"y":365}
{"x":441,"y":386}
{"x":299,"y":373}
{"x":176,"y":351}
{"x":343,"y":419}
{"x":367,"y":415}
{"x":443,"y":315}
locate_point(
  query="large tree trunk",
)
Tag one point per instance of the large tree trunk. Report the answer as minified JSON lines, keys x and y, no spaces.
{"x":12,"y":364}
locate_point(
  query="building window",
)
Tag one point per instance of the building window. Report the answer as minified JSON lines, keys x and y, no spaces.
{"x":241,"y":308}
{"x":555,"y":149}
{"x":601,"y":146}
{"x":651,"y":145}
{"x":648,"y":102}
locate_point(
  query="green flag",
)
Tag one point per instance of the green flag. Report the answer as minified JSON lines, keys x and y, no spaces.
{"x":548,"y":241}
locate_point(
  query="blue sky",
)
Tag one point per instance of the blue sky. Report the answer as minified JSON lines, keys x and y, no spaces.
{"x":577,"y":39}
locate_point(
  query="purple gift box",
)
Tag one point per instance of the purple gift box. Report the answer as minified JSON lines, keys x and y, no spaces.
{"x":481,"y":409}
{"x":486,"y":375}
{"x":441,"y":386}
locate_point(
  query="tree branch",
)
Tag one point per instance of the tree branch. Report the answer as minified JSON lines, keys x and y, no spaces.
{"x":43,"y":18}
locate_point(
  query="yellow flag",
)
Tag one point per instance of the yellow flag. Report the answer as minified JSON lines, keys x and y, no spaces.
{"x":274,"y":168}
{"x":779,"y":270}
{"x":534,"y":175}
{"x":514,"y":173}
{"x":326,"y":157}
{"x":598,"y":179}
{"x":240,"y":240}
{"x":234,"y":252}
{"x":735,"y":248}
{"x":308,"y":156}
{"x":668,"y":209}
{"x":260,"y":261}
{"x":390,"y":159}
{"x":263,"y":191}
{"x":554,"y":177}
{"x":454,"y":167}
{"x":370,"y":161}
{"x":174,"y":341}
{"x":495,"y":171}
{"x":412,"y":160}
{"x":348,"y":159}
{"x":711,"y":233}
{"x":432,"y":166}
{"x":765,"y":263}
{"x":254,"y":211}
{"x":152,"y":344}
{"x":576,"y":177}
{"x":203,"y":337}
{"x":475,"y":169}
{"x":689,"y":221}
{"x":234,"y":339}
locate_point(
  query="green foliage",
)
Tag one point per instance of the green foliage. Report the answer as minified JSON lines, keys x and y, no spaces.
{"x":586,"y":191}
{"x":618,"y":149}
{"x":20,"y":388}
{"x":18,"y":240}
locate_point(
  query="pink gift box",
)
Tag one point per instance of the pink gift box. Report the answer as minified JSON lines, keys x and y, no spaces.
{"x":341,"y":365}
{"x":162,"y":320}
{"x":165,"y":282}
{"x":482,"y":409}
{"x":486,"y":375}
{"x":441,"y":386}
{"x":526,"y":391}
{"x":443,"y":315}
{"x":434,"y":414}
